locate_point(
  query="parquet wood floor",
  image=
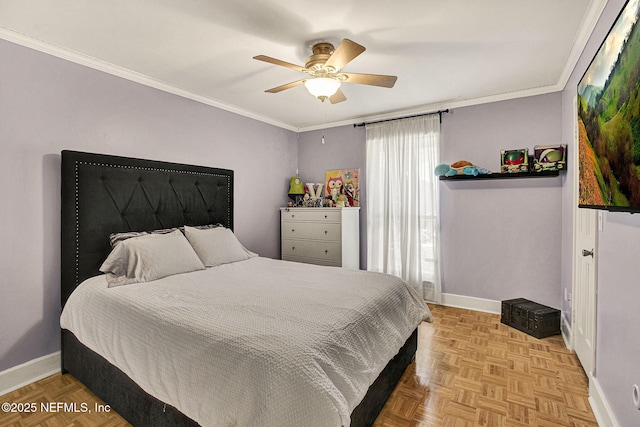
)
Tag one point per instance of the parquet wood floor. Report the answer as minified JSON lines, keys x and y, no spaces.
{"x":470,"y":370}
{"x":57,"y":388}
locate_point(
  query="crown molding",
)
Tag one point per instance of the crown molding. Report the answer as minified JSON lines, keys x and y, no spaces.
{"x":589,"y":21}
{"x":429,"y":108}
{"x":97,"y":64}
{"x":586,"y":28}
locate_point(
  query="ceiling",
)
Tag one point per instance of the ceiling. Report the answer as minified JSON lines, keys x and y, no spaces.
{"x":446,"y":54}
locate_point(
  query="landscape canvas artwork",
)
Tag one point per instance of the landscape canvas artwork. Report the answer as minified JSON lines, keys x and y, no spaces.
{"x":609,"y":119}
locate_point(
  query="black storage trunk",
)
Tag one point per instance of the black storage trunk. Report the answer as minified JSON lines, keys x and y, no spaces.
{"x":530,"y":317}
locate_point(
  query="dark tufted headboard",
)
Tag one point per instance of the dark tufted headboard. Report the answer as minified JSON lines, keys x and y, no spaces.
{"x":104,"y":194}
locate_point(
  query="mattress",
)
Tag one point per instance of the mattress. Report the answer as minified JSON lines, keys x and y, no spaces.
{"x":259,"y":342}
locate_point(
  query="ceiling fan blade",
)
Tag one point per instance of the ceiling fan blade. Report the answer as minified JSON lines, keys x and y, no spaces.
{"x":337,"y":97}
{"x":346,"y":51}
{"x":371,"y":79}
{"x":285,"y":86}
{"x":279,"y":62}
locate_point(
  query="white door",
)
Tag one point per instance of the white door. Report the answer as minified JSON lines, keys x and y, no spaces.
{"x":584,"y":288}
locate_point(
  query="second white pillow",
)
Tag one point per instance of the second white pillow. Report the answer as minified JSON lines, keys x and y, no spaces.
{"x":216,"y":246}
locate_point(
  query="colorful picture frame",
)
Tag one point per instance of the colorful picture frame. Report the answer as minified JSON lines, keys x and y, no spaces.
{"x":514,"y":161}
{"x":549,"y":157}
{"x":343,"y":187}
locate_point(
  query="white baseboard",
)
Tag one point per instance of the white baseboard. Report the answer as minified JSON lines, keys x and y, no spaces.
{"x":472,"y":303}
{"x":600,"y":406}
{"x":567,"y":333}
{"x":33,"y":370}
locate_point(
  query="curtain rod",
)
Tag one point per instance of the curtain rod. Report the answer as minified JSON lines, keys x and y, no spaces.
{"x":439,"y":112}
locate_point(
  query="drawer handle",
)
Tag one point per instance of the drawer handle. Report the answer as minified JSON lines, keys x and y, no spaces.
{"x":292,"y":230}
{"x":326,"y":251}
{"x":325,"y":216}
{"x":293,"y":248}
{"x":325,"y":231}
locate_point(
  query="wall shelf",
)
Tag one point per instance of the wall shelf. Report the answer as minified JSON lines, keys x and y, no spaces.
{"x":498,"y":175}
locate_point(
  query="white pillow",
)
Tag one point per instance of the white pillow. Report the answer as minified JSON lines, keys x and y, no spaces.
{"x":150,"y":257}
{"x":216,"y":246}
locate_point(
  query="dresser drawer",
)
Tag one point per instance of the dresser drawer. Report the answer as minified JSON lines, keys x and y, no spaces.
{"x":316,"y":261}
{"x":312,"y":214}
{"x":311,"y":249}
{"x":329,"y":231}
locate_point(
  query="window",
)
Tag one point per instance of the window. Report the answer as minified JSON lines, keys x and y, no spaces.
{"x":402,"y":201}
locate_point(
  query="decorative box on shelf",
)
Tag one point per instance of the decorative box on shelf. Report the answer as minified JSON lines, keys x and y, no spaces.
{"x":530,"y":317}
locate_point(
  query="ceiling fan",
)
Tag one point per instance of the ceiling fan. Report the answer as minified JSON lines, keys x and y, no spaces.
{"x":323,"y":68}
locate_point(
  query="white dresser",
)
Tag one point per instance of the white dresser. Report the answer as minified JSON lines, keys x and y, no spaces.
{"x":324,"y":236}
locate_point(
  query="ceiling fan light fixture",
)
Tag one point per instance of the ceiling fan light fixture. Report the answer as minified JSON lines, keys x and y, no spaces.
{"x":323,"y":69}
{"x":322,"y":87}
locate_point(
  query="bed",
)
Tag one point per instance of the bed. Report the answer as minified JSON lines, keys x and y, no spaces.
{"x":104,"y":194}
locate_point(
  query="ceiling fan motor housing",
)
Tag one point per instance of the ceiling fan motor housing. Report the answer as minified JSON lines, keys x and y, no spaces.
{"x":321,"y":53}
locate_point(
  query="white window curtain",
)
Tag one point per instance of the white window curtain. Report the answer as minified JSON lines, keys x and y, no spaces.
{"x":402,"y":201}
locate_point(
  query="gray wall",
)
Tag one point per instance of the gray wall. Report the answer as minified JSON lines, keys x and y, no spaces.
{"x":618,"y":339}
{"x":506,"y":234}
{"x":618,"y":301}
{"x":47,"y":105}
{"x":501,"y":238}
{"x":344,"y":148}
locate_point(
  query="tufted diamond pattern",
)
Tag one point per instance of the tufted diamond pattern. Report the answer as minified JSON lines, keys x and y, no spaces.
{"x":106,"y":194}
